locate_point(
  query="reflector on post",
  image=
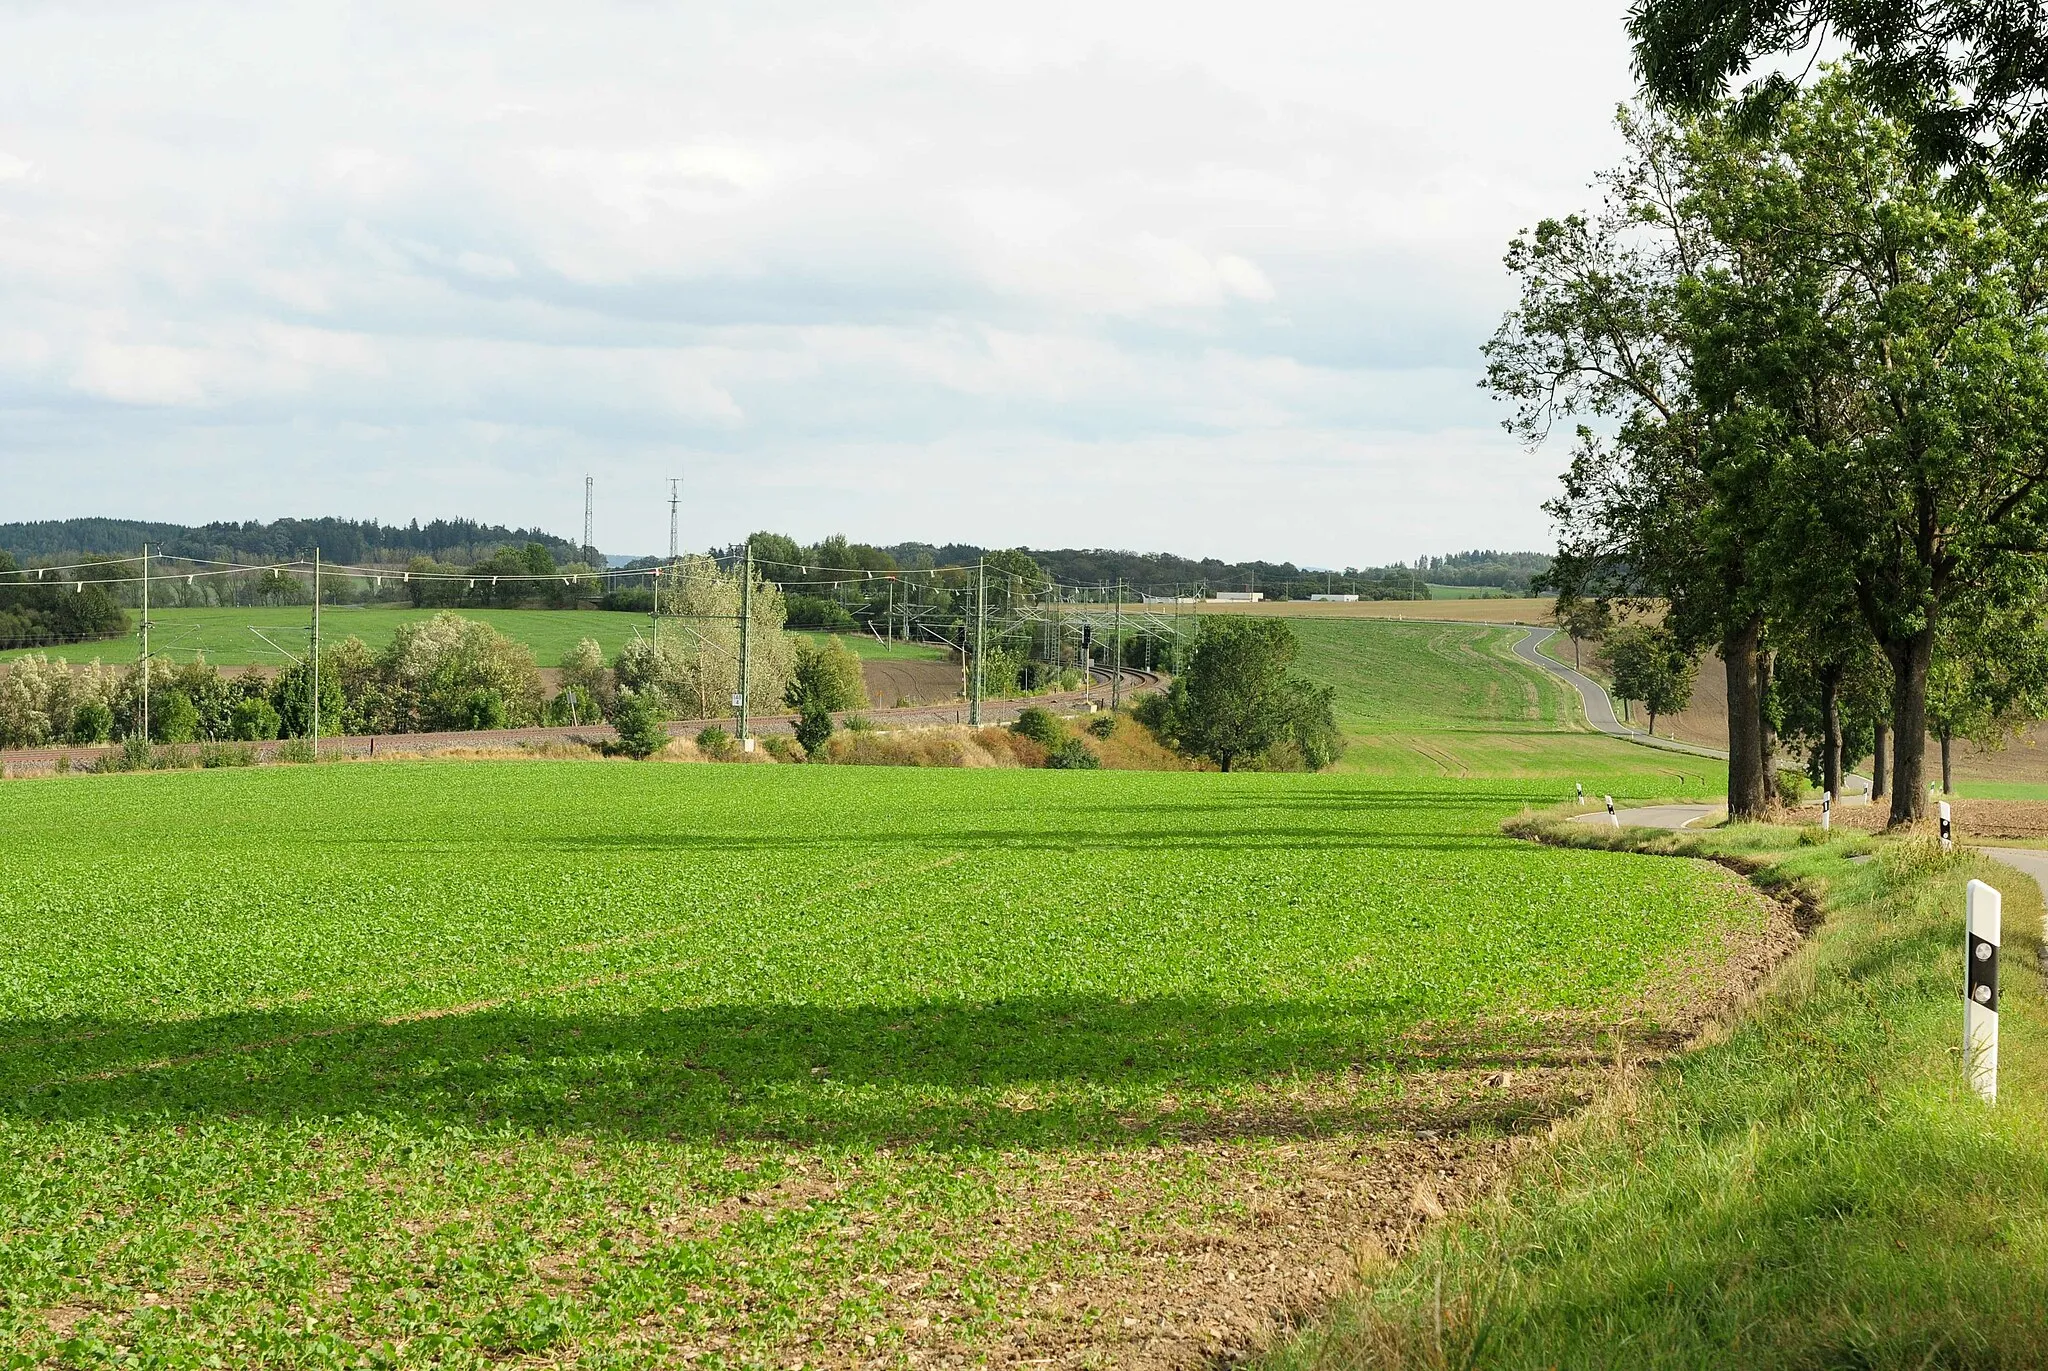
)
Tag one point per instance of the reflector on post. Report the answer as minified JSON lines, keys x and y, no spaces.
{"x":1980,"y":989}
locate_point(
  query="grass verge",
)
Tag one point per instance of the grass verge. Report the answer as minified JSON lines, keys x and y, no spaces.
{"x":1812,"y":1185}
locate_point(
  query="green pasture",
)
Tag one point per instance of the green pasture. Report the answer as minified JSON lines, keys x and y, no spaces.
{"x":612,"y":1064}
{"x":1437,"y":592}
{"x":227,"y":638}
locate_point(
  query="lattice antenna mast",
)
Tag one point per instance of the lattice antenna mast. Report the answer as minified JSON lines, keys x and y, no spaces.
{"x":674,"y":498}
{"x":589,"y":502}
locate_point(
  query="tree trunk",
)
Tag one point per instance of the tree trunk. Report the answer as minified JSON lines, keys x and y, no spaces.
{"x":1745,"y":750}
{"x":1878,"y":760}
{"x":1653,"y":723}
{"x":1947,"y":776}
{"x":1766,"y":734}
{"x":1831,"y":730}
{"x":1910,"y":659}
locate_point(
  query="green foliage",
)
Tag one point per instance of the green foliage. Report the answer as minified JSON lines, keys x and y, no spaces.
{"x":813,"y":725}
{"x":1651,"y":665}
{"x":1103,"y":725}
{"x":254,"y":721}
{"x":92,"y":723}
{"x":574,"y":705}
{"x":298,"y":751}
{"x":1235,"y":700}
{"x":173,"y":719}
{"x":291,"y":695}
{"x":1071,"y":754}
{"x":826,"y":677}
{"x":639,"y":726}
{"x":715,"y":743}
{"x":1039,"y":726}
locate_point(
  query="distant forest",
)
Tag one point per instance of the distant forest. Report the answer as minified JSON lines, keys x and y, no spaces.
{"x":459,"y":541}
{"x":467,"y":543}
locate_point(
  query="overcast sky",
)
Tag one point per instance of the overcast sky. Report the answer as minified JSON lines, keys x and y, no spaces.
{"x":1201,"y":278}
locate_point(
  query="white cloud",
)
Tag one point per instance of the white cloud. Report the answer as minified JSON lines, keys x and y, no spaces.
{"x":1200,"y":259}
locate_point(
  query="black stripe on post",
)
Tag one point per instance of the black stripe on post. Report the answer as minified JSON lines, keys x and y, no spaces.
{"x":1983,"y":978}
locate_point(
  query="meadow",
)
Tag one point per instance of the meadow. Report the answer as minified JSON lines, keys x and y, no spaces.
{"x":225,"y":636}
{"x":418,"y":1063}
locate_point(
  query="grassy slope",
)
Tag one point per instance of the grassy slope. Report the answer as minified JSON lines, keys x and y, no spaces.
{"x":224,"y":636}
{"x":1815,"y":1189}
{"x":450,"y":1058}
{"x":1452,"y":701}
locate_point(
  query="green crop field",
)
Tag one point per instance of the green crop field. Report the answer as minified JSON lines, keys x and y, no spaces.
{"x":603,"y":1064}
{"x":226,"y":638}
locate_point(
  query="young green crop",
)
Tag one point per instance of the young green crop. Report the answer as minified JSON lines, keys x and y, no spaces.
{"x":439,"y":1063}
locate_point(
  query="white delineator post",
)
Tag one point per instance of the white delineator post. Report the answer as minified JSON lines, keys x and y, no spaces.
{"x":1580,"y":787}
{"x":1947,"y":831}
{"x":1827,"y":803}
{"x":1980,"y":990}
{"x":1612,"y":817}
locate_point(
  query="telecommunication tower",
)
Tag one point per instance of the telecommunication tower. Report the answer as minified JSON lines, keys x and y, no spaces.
{"x":589,"y":487}
{"x":673,"y":548}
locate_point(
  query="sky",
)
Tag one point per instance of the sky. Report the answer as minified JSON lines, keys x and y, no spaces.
{"x":1202,"y":278}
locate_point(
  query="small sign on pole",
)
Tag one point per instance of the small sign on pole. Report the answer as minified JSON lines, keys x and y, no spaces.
{"x":1947,"y":830}
{"x":1612,"y":818}
{"x":1980,"y":989}
{"x":1827,"y":803}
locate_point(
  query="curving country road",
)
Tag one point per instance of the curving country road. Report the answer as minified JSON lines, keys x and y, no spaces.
{"x":1599,"y":708}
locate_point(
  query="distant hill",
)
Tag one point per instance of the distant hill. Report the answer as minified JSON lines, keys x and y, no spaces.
{"x":339,"y":540}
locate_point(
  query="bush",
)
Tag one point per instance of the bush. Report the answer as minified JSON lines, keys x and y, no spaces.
{"x":134,"y":754}
{"x":859,"y":723}
{"x":92,"y":723}
{"x":176,"y":719}
{"x":215,"y":755}
{"x":1791,"y":789}
{"x":482,"y":709}
{"x":575,"y":705}
{"x":715,"y":743}
{"x":782,"y":749}
{"x":253,"y":721}
{"x":640,"y":729}
{"x":1104,"y":726}
{"x":298,"y":750}
{"x":813,"y":725}
{"x":1040,"y":727}
{"x":1071,"y":754}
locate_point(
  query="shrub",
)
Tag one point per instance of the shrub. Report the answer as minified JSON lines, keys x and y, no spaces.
{"x":175,"y":719}
{"x":134,"y":754}
{"x":715,"y":743}
{"x":1071,"y":754}
{"x":1040,"y":727}
{"x":859,"y":723}
{"x":253,"y":721}
{"x":640,"y":729}
{"x":813,"y":725}
{"x":297,"y":750}
{"x":782,"y":749}
{"x":215,"y":755}
{"x":575,"y":705}
{"x":1791,"y":789}
{"x":92,"y":723}
{"x":1103,"y":727}
{"x":482,"y":709}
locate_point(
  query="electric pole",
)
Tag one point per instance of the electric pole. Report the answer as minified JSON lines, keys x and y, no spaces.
{"x":746,"y":628}
{"x":145,"y":642}
{"x":980,"y":628}
{"x":316,"y":654}
{"x":1116,"y":680}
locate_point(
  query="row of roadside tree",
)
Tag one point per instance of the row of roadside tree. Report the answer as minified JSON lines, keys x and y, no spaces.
{"x":1807,"y":378}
